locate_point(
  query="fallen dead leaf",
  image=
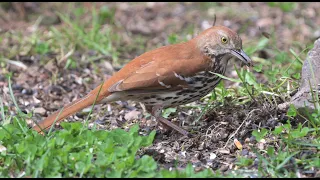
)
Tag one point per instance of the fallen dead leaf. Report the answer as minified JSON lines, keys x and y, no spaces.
{"x":132,"y":115}
{"x":224,"y":151}
{"x":238,"y":144}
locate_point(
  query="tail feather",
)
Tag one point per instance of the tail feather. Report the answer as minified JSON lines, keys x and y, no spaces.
{"x":71,"y":108}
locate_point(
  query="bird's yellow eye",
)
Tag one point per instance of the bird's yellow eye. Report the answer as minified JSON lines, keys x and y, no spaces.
{"x":224,"y":40}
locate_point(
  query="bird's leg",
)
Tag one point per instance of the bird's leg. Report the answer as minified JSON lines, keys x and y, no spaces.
{"x":156,"y":112}
{"x":149,"y":109}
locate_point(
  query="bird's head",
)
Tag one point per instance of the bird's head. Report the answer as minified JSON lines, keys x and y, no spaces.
{"x":219,"y":41}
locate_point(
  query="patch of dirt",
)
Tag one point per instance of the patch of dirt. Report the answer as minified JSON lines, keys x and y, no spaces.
{"x":213,"y":145}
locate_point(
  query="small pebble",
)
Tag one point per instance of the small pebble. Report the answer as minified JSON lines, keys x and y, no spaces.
{"x":263,"y":141}
{"x":252,"y":155}
{"x":244,"y":152}
{"x":212,"y":156}
{"x":224,"y":168}
{"x":2,"y":78}
{"x":230,"y":160}
{"x":201,"y":146}
{"x":17,"y":87}
{"x":40,"y":110}
{"x":100,"y":122}
{"x":252,"y":139}
{"x":224,"y":151}
{"x":260,"y":146}
{"x":27,"y":92}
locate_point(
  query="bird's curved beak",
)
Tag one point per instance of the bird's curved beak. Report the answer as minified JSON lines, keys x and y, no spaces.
{"x":240,"y":54}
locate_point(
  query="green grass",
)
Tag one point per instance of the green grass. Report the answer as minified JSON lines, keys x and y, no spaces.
{"x":282,"y":160}
{"x":95,"y":38}
{"x":284,"y":6}
{"x":82,"y":31}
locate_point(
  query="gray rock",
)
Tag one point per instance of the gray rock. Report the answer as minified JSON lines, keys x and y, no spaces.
{"x":303,"y":100}
{"x":310,"y":81}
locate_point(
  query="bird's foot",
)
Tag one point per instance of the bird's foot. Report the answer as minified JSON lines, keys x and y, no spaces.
{"x":166,"y":122}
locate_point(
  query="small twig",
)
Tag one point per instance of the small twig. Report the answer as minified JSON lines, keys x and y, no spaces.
{"x":35,"y":26}
{"x":107,"y":57}
{"x":270,"y":93}
{"x":2,"y":109}
{"x":214,"y":19}
{"x":240,"y":126}
{"x":143,"y":107}
{"x":16,"y":63}
{"x":66,"y":56}
{"x":225,"y":163}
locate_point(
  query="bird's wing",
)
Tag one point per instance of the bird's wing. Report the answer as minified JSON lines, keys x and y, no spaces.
{"x":163,"y":73}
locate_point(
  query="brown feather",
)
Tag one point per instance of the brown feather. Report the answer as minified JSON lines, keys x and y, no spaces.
{"x":71,"y":108}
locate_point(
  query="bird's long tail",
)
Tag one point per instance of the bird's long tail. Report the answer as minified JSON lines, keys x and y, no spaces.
{"x":95,"y":96}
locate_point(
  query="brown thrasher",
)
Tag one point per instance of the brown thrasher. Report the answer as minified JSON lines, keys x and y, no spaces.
{"x":167,"y":76}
